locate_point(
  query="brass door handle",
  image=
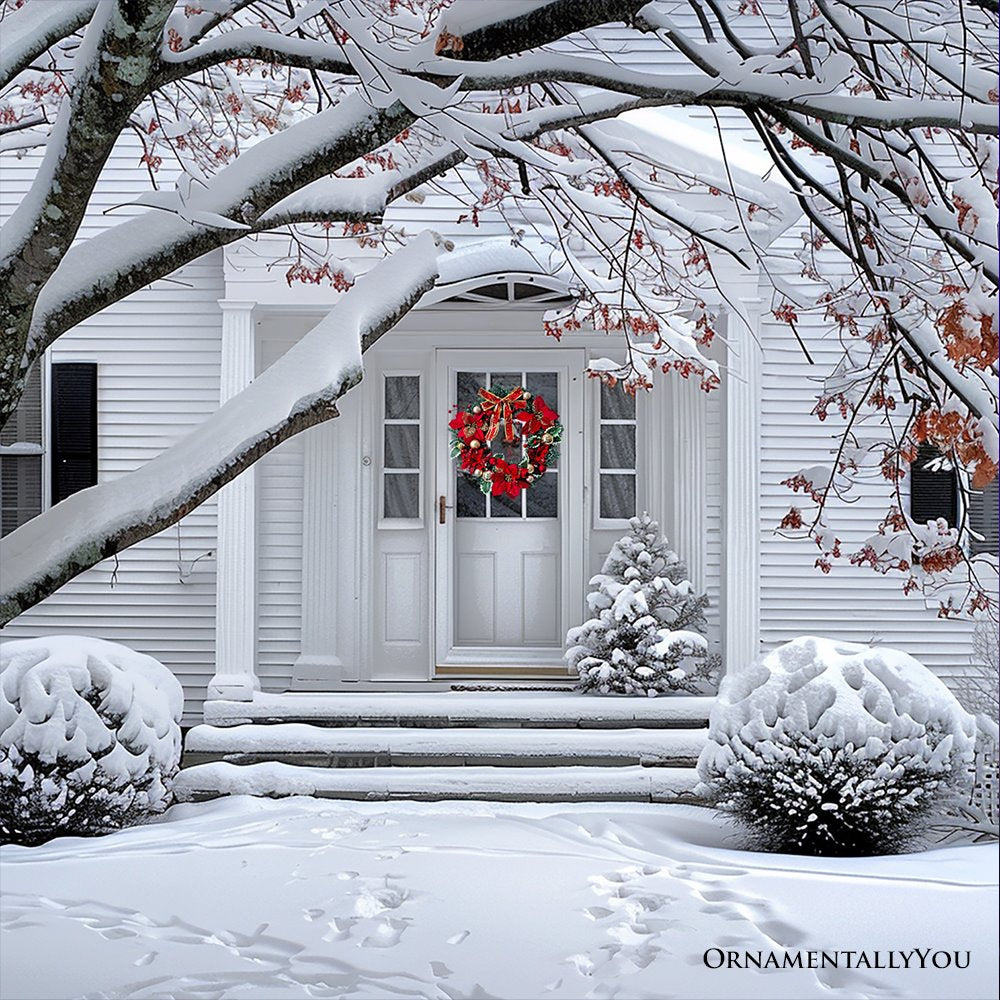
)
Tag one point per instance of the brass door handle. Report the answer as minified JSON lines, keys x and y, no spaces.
{"x":442,"y":507}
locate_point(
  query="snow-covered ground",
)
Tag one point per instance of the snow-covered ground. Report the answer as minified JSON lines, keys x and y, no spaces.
{"x":308,"y":898}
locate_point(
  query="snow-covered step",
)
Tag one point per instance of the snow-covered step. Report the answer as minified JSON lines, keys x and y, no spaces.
{"x":438,"y":709}
{"x":315,"y":746}
{"x":498,"y":784}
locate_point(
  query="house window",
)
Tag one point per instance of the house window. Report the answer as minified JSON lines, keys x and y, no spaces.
{"x":401,"y":494}
{"x":984,"y":515}
{"x":934,"y":493}
{"x":21,"y":456}
{"x":617,"y":454}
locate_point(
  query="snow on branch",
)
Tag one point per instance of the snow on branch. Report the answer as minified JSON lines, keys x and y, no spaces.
{"x":31,"y":30}
{"x":296,"y":392}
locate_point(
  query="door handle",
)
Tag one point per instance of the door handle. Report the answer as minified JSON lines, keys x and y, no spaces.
{"x":442,"y":507}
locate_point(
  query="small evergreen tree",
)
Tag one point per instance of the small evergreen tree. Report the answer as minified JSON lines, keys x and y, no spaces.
{"x":647,"y":633}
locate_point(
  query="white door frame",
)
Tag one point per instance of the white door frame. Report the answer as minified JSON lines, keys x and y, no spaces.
{"x":569,"y":363}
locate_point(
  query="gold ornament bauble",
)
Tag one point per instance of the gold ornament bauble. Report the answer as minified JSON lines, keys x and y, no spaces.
{"x":477,"y":472}
{"x":529,"y":467}
{"x":531,"y":479}
{"x":526,"y":396}
{"x":474,"y":443}
{"x":477,"y":409}
{"x":547,"y":438}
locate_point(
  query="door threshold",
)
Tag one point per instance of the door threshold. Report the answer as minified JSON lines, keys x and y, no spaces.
{"x":501,"y":671}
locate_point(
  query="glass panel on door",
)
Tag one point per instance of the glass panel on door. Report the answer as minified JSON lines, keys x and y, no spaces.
{"x":539,"y":501}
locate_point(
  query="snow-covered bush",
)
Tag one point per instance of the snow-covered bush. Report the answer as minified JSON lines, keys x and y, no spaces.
{"x":647,"y":633}
{"x":826,"y":747}
{"x":90,"y":739}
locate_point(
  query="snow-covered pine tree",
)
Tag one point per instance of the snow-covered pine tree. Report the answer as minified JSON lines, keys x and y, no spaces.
{"x":647,"y":633}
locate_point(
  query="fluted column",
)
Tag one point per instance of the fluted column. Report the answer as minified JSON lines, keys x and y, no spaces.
{"x":322,"y":558}
{"x":687,"y":474}
{"x":741,"y":528}
{"x":236,"y":553}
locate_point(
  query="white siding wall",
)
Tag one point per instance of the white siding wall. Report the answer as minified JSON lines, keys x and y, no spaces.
{"x":851,"y":603}
{"x":279,"y":529}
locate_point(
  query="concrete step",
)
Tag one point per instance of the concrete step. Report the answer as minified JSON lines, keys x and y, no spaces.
{"x":315,"y":746}
{"x":463,"y":709}
{"x":496,"y":784}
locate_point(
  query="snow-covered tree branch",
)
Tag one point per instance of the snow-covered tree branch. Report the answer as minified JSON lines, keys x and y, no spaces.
{"x":879,"y":121}
{"x":297,"y":392}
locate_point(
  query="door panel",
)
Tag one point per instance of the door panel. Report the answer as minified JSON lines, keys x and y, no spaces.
{"x":502,"y":561}
{"x":476,"y":619}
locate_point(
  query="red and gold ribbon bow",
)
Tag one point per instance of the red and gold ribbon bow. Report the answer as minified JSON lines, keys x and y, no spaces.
{"x":501,"y":408}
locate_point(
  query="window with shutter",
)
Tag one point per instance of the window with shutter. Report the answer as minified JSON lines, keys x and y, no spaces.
{"x":933,"y":487}
{"x":21,"y":456}
{"x":74,"y":428}
{"x":934,"y":493}
{"x":983,"y":520}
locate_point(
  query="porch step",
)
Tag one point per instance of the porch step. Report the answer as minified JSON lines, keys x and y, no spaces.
{"x":463,"y":709}
{"x":497,"y":784}
{"x":395,"y":747}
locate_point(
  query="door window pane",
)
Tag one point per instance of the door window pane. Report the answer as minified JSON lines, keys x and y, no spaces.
{"x":402,"y":495}
{"x":542,"y":497}
{"x":546,"y":385}
{"x":618,"y":446}
{"x":470,"y":501}
{"x":617,"y":495}
{"x":616,"y":404}
{"x":617,"y":454}
{"x":402,"y":397}
{"x":469,"y":384}
{"x":505,"y":506}
{"x":402,"y":446}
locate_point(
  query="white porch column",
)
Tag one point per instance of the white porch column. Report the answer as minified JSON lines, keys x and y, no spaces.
{"x":318,"y":660}
{"x":236,"y":552}
{"x":686,"y":472}
{"x":741,"y":503}
{"x":332,"y":573}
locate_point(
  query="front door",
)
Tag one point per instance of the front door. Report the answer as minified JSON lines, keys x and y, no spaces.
{"x":508,"y":569}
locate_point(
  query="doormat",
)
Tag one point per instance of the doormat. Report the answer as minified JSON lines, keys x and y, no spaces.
{"x":512,"y":687}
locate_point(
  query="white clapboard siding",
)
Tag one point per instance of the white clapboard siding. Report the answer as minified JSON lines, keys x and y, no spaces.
{"x":851,"y":603}
{"x":279,"y":567}
{"x":279,"y":531}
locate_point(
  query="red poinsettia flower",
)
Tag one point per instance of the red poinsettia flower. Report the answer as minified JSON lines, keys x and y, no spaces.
{"x":545,"y":412}
{"x":530,"y":424}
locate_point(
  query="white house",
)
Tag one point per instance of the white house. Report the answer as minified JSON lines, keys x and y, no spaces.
{"x":354,"y":558}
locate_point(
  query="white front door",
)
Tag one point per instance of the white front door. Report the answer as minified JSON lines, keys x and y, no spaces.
{"x":508,"y":569}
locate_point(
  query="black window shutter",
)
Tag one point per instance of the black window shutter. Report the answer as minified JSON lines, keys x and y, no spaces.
{"x":74,"y":428}
{"x":933,"y":487}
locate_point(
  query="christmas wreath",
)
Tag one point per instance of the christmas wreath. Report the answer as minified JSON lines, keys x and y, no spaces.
{"x":521,"y":417}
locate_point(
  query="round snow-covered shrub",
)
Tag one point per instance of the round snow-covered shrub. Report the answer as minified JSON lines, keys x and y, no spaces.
{"x":827,"y":747}
{"x":90,"y":737}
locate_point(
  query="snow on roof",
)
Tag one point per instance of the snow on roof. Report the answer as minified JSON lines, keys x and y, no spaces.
{"x":639,"y":139}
